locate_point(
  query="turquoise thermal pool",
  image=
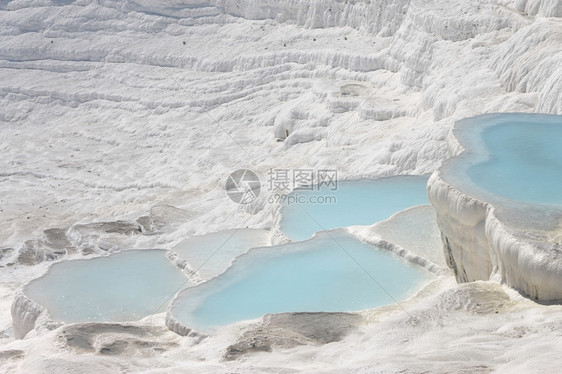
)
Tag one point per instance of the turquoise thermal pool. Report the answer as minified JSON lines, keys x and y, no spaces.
{"x":499,"y":202}
{"x":223,"y":246}
{"x":315,"y":275}
{"x":246,"y":279}
{"x":361,"y":202}
{"x":522,"y":159}
{"x":125,"y":286}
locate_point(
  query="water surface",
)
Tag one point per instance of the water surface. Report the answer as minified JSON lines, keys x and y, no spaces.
{"x":524,"y":158}
{"x":360,"y":202}
{"x":332,"y":272}
{"x":125,"y":286}
{"x":211,"y":254}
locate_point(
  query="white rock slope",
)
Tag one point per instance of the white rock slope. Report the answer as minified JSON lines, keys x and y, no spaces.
{"x":127,"y":110}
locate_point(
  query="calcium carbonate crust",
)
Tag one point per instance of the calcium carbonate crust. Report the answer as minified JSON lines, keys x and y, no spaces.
{"x":480,"y":246}
{"x":27,"y":315}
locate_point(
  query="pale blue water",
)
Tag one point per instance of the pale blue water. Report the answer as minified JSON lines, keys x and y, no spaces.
{"x":122,"y":287}
{"x":361,"y":202}
{"x":315,"y":275}
{"x":224,"y":246}
{"x":525,"y":160}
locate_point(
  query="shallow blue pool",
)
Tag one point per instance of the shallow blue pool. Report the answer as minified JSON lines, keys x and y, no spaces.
{"x":211,"y":254}
{"x":321,"y":274}
{"x":122,"y":287}
{"x":523,"y":156}
{"x":361,"y":202}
